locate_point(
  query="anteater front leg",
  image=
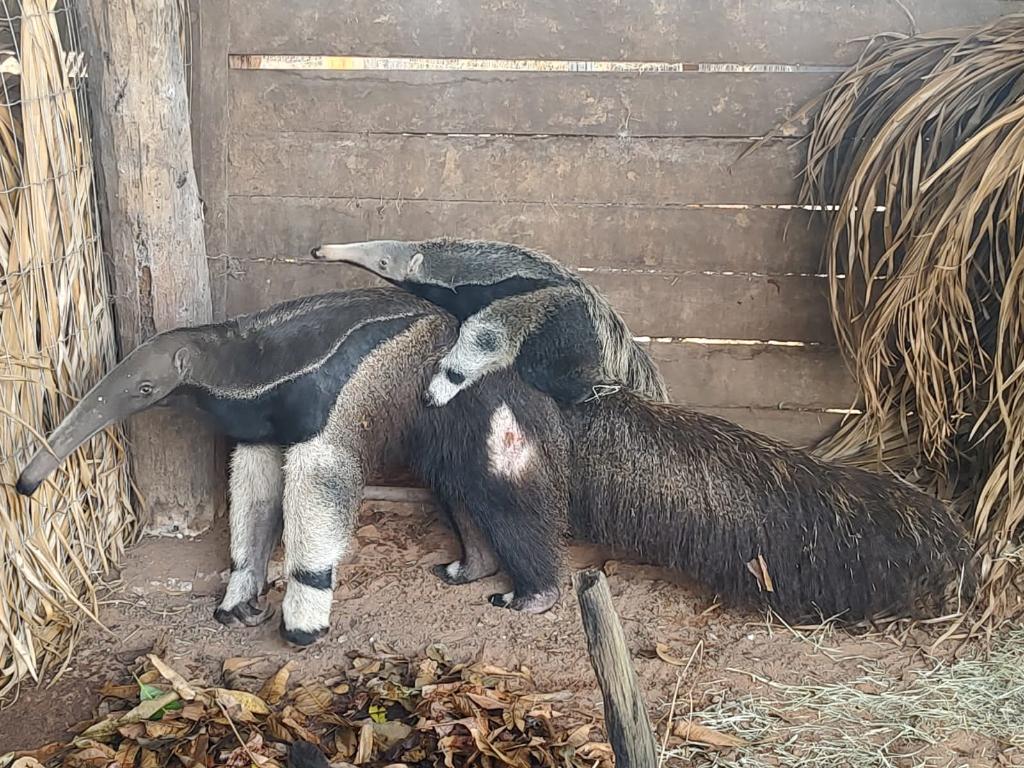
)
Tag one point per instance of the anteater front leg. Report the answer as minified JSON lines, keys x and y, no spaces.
{"x":478,"y":559}
{"x":256,"y":485}
{"x":323,"y":486}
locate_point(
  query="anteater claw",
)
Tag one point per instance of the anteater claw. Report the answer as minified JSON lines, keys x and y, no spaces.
{"x":538,"y":602}
{"x":251,"y":613}
{"x":300,"y":637}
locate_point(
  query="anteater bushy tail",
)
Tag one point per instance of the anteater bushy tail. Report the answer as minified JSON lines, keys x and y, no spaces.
{"x":759,"y":521}
{"x":626,"y":360}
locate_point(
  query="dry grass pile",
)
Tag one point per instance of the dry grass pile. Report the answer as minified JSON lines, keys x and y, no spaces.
{"x":383,"y":710}
{"x":928,"y":294}
{"x":56,"y":339}
{"x":966,"y":712}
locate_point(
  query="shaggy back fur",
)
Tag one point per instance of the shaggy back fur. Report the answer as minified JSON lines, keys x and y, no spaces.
{"x":703,"y":495}
{"x":454,"y":263}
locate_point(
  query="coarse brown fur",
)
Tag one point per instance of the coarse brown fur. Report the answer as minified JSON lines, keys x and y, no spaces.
{"x":741,"y":512}
{"x":757,"y":521}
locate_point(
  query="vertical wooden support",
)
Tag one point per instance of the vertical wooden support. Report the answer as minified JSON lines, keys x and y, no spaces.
{"x":625,"y":714}
{"x":153,"y":234}
{"x":211,"y":103}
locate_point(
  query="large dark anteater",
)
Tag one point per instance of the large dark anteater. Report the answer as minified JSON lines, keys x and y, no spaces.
{"x":321,"y":392}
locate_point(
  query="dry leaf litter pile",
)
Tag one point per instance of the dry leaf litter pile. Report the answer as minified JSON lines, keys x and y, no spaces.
{"x":387,"y":711}
{"x":382,"y":711}
{"x":56,"y":340}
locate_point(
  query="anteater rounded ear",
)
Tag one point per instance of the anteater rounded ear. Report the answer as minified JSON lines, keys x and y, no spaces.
{"x":183,"y":361}
{"x":415,"y":262}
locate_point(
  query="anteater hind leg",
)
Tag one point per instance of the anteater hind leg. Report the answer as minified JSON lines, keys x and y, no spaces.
{"x":478,"y":559}
{"x":530,"y":552}
{"x":323,"y":486}
{"x":256,"y":485}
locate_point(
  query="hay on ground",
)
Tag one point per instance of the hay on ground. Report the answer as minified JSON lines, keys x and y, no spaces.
{"x":933,"y":717}
{"x":56,"y":340}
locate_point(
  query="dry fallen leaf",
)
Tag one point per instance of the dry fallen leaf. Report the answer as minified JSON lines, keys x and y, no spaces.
{"x":488,"y":701}
{"x":126,"y":755}
{"x":274,"y":688}
{"x":426,"y":673}
{"x":193,"y":711}
{"x":312,"y":698}
{"x":185,"y":691}
{"x":695,"y":732}
{"x":233,"y":671}
{"x":144,"y":711}
{"x":759,"y":567}
{"x":127,"y":692}
{"x":662,"y":650}
{"x":248,"y":702}
{"x":578,"y":737}
{"x":365,"y":750}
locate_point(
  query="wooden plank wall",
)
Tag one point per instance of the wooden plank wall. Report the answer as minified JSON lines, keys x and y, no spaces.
{"x":631,"y":178}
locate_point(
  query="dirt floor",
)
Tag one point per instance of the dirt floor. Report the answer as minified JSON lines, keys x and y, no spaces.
{"x":388,"y":599}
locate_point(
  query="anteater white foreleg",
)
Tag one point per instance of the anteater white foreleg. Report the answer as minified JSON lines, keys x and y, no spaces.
{"x":256,"y":487}
{"x":323,"y":486}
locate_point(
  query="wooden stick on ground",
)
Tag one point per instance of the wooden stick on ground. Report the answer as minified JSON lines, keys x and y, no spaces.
{"x":625,"y":713}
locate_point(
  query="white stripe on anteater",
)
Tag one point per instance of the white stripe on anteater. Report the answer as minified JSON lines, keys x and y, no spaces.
{"x":508,"y":451}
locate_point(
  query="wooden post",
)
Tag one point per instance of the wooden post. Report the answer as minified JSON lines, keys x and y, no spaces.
{"x":152,"y":226}
{"x":625,"y":714}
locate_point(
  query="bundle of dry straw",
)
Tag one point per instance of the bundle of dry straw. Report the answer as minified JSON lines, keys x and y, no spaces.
{"x":57,"y":340}
{"x":921,"y":147}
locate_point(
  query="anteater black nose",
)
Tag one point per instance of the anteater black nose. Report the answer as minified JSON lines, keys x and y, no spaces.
{"x":316,"y":253}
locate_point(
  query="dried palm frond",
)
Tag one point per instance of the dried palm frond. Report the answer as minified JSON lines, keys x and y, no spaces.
{"x":56,"y":340}
{"x":920,"y":146}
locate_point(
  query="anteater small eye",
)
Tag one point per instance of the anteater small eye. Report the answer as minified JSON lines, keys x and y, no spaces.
{"x":145,"y":388}
{"x":487,"y":341}
{"x":383,"y":263}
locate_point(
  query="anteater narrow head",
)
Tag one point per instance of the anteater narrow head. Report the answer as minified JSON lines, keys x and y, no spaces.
{"x":145,"y":378}
{"x":394,"y":260}
{"x":462,"y":276}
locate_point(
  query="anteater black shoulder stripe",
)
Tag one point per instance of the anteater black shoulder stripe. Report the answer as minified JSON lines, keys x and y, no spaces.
{"x":469,"y":298}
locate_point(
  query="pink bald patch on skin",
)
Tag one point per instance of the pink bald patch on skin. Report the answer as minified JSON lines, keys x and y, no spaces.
{"x":508,"y":451}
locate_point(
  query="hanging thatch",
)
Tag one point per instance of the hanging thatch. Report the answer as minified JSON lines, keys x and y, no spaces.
{"x":57,"y":339}
{"x":927,"y":295}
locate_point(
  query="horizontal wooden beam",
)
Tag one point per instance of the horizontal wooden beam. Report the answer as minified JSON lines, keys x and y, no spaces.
{"x":824,"y":32}
{"x":697,"y":103}
{"x":558,"y":169}
{"x":655,"y":238}
{"x":318,"y":63}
